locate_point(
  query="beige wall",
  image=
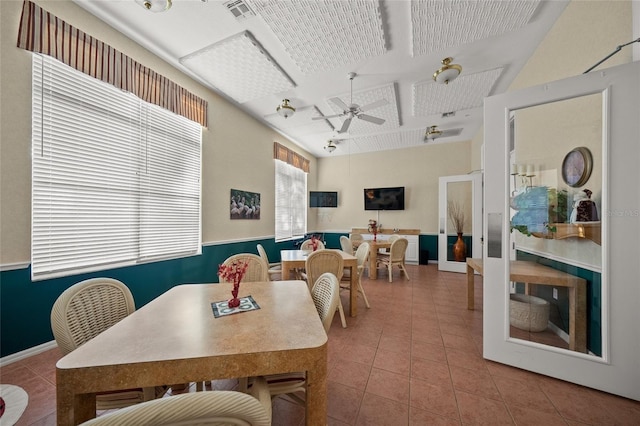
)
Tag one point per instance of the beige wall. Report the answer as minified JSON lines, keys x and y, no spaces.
{"x":417,"y":169}
{"x":237,"y":149}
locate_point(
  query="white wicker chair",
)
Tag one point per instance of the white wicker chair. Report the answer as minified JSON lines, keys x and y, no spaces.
{"x":275,"y":269}
{"x":321,"y":261}
{"x":219,"y":408}
{"x":258,"y":269}
{"x":346,"y":244}
{"x":395,"y":258}
{"x":306,"y":245}
{"x":326,"y":297}
{"x":362,"y":254}
{"x":85,"y":310}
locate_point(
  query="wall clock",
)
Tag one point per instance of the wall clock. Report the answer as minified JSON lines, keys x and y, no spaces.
{"x":576,"y":166}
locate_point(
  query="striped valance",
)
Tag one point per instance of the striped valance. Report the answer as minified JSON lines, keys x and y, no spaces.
{"x":282,"y":153}
{"x":42,"y":32}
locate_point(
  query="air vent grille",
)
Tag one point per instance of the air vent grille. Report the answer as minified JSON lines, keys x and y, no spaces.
{"x":239,"y":9}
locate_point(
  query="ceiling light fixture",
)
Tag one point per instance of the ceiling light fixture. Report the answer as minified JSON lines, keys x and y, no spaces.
{"x":432,"y":133}
{"x":285,"y":109}
{"x":155,"y":5}
{"x":448,"y":72}
{"x":330,"y":147}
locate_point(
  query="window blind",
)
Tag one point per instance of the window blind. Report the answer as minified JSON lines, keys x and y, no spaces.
{"x":291,"y":201}
{"x":115,"y":180}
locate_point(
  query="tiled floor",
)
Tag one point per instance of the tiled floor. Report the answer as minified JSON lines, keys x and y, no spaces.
{"x":414,"y":358}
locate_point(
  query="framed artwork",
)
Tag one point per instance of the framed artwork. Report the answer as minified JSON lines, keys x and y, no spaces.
{"x":244,"y":204}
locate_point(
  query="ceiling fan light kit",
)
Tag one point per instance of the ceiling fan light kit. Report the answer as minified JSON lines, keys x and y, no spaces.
{"x":285,"y":109}
{"x":155,"y":5}
{"x":448,"y":72}
{"x":330,"y":147}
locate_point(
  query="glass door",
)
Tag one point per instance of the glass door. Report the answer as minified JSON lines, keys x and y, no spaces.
{"x":460,"y":228}
{"x":558,"y":273}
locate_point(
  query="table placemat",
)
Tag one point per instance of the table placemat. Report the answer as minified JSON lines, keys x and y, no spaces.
{"x":221,"y":308}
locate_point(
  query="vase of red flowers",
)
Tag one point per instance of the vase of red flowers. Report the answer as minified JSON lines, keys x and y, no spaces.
{"x":314,"y":243}
{"x":233,"y":273}
{"x":374,"y":228}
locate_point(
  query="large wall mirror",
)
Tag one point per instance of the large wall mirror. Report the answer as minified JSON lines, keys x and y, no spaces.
{"x":557,"y":191}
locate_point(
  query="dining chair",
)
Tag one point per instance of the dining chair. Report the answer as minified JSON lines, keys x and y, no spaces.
{"x":258,"y":269}
{"x":85,"y":310}
{"x":200,"y":408}
{"x":326,"y":297}
{"x":395,"y":257}
{"x":275,"y":268}
{"x":356,"y":238}
{"x":321,"y":261}
{"x":306,"y":245}
{"x":346,"y":245}
{"x":362,"y":254}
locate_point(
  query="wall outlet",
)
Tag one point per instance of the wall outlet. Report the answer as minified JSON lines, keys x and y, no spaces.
{"x":555,"y":293}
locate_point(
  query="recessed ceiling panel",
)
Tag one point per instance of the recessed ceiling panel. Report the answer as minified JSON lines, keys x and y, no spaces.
{"x":388,"y":112}
{"x":465,"y":92}
{"x":320,"y":35}
{"x":437,"y":24}
{"x":239,"y":67}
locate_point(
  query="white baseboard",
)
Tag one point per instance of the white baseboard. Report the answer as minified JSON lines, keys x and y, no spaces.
{"x":27,"y":353}
{"x":557,"y":330}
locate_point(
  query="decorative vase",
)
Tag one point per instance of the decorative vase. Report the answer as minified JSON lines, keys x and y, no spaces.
{"x":459,"y":249}
{"x":235,"y":302}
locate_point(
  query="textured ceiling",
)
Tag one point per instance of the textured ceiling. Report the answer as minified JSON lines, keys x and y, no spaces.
{"x":303,"y":50}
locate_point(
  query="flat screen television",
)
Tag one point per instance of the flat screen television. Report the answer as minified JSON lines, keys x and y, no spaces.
{"x":384,"y":198}
{"x":323,"y":199}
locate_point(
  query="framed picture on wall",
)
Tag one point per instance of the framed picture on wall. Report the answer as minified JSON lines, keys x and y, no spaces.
{"x":244,"y":204}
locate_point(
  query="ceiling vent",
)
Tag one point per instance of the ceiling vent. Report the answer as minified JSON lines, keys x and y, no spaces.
{"x":239,"y":9}
{"x":448,"y":114}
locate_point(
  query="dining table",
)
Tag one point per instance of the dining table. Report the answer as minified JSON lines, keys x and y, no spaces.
{"x":176,"y":338}
{"x":374,"y":248}
{"x":293,"y":260}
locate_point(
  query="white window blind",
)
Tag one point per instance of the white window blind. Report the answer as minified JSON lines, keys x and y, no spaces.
{"x":291,"y":201}
{"x":115,"y":180}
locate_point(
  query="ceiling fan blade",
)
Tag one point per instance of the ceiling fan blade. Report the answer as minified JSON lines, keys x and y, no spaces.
{"x":345,"y":125}
{"x":371,"y":119}
{"x":374,"y":105}
{"x":338,"y":102}
{"x":324,"y":117}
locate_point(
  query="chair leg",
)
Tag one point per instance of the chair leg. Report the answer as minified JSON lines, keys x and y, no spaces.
{"x":364,"y":295}
{"x":405,"y":272}
{"x":390,"y":269}
{"x":341,"y":312}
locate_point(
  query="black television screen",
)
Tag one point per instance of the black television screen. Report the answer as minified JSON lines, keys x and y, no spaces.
{"x":384,"y":198}
{"x":323,"y":199}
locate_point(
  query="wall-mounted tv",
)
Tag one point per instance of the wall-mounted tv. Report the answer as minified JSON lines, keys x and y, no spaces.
{"x":384,"y":198}
{"x":323,"y":199}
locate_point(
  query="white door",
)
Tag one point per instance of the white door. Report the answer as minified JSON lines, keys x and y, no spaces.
{"x":596,"y":115}
{"x":464,"y":194}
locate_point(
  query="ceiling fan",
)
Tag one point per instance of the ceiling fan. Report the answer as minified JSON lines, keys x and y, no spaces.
{"x":433,"y":132}
{"x":354,"y":110}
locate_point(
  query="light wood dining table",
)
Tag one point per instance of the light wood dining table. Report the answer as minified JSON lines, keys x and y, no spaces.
{"x":374,"y":246}
{"x":296,"y":259}
{"x":175,"y":338}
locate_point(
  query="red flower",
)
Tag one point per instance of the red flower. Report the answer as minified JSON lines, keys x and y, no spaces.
{"x":234,"y":271}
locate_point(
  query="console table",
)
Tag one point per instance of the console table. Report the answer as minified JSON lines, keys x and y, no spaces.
{"x":531,"y":273}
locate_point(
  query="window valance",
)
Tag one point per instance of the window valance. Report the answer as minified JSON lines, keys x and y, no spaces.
{"x":42,"y":32}
{"x":282,"y":153}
